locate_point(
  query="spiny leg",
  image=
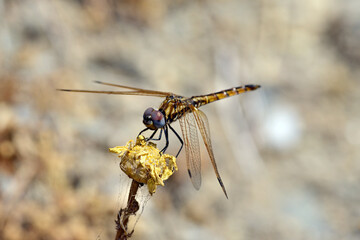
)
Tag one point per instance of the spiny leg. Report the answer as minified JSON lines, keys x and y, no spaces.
{"x":144,"y":130}
{"x":166,"y":133}
{"x":152,"y":135}
{"x":181,"y":141}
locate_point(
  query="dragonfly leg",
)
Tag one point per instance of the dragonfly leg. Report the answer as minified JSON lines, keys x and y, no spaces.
{"x":152,"y":135}
{"x":144,"y":130}
{"x":166,"y":133}
{"x":181,"y":141}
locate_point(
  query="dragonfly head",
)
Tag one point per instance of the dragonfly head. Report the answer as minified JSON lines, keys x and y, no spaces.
{"x":153,"y":119}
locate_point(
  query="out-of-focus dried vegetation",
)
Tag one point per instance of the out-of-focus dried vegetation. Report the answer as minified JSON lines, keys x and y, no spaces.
{"x":289,"y":153}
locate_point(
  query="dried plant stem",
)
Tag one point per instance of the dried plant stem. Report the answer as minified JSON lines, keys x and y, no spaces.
{"x":125,"y":213}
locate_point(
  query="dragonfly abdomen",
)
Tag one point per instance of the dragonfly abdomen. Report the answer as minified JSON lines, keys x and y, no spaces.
{"x":212,"y":97}
{"x":174,"y":107}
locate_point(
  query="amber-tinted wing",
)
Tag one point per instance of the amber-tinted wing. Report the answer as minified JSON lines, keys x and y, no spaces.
{"x":130,"y":91}
{"x":203,"y":125}
{"x":192,"y":148}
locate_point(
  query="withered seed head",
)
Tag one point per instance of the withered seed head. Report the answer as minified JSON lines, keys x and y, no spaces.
{"x":144,"y":163}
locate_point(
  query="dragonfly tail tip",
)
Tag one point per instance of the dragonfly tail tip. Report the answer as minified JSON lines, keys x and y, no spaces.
{"x":252,"y":86}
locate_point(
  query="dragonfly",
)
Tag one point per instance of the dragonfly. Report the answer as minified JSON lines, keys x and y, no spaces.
{"x":185,"y":109}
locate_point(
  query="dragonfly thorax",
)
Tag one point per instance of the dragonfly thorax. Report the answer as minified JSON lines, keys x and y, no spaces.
{"x":153,"y":119}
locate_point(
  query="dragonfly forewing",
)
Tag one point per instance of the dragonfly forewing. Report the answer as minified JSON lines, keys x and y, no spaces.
{"x":192,"y":148}
{"x":129,"y":91}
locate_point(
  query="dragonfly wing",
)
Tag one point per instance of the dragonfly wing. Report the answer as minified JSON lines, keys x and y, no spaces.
{"x":130,"y":91}
{"x":159,"y":93}
{"x":203,"y":125}
{"x":136,"y":92}
{"x":192,"y":148}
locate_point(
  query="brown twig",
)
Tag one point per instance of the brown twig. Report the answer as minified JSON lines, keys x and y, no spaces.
{"x":125,"y":213}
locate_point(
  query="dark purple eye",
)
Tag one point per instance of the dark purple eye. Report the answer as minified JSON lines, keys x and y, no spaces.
{"x":153,"y":119}
{"x":147,"y":113}
{"x":156,"y":115}
{"x":158,"y":119}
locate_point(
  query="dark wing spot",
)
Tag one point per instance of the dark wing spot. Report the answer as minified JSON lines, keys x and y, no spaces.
{"x":189,"y":173}
{"x":221,"y":183}
{"x":65,"y":90}
{"x":222,"y":186}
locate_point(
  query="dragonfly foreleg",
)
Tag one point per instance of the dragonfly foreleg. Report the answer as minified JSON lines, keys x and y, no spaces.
{"x":152,"y":135}
{"x":181,"y":141}
{"x":144,"y":130}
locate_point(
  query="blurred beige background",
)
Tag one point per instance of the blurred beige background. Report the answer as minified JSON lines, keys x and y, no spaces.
{"x":288,"y":152}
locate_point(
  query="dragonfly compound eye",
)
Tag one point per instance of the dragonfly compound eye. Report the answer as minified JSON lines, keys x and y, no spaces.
{"x":147,"y":113}
{"x":147,"y":117}
{"x":153,"y":119}
{"x":158,"y":119}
